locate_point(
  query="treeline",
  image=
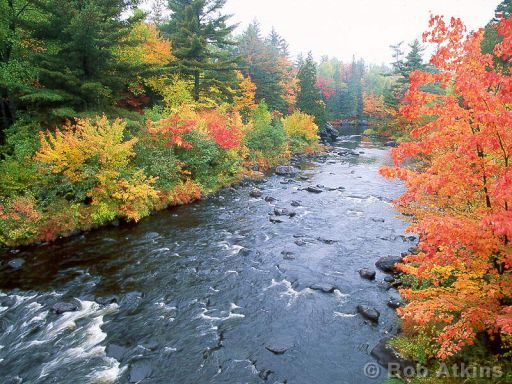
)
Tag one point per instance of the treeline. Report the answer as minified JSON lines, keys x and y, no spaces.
{"x":456,"y":165}
{"x":108,"y":112}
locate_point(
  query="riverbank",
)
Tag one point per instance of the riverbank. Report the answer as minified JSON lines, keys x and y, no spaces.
{"x":220,"y":281}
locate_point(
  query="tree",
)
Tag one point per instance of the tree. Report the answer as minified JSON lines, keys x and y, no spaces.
{"x":458,"y":194}
{"x":309,"y":98}
{"x":200,"y":35}
{"x":264,"y":61}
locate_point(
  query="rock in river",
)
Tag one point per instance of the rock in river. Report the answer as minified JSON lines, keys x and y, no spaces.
{"x":314,"y":189}
{"x":278,"y":346}
{"x":16,"y":263}
{"x":368,"y":274}
{"x":284,"y":212}
{"x":256,"y":193}
{"x":286,"y":170}
{"x":387,"y":264}
{"x":394,"y":303}
{"x":326,"y":288}
{"x":369,"y":313}
{"x":62,"y":307}
{"x":387,"y":355}
{"x":139,"y":371}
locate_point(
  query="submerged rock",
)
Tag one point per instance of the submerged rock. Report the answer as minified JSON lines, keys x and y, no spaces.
{"x":264,"y":374}
{"x":387,"y":263}
{"x":279,"y":347}
{"x":140,"y":371}
{"x":368,"y":274}
{"x":288,"y":255}
{"x":295,"y":203}
{"x":269,"y":199}
{"x":284,"y":212}
{"x":369,"y":313}
{"x":63,"y":307}
{"x":16,"y":264}
{"x":325,"y":288}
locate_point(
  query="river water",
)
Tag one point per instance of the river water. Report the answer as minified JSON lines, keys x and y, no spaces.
{"x":200,"y":293}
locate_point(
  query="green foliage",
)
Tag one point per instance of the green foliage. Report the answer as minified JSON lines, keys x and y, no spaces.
{"x":309,"y":99}
{"x":202,"y":160}
{"x":267,"y":137}
{"x":200,"y":37}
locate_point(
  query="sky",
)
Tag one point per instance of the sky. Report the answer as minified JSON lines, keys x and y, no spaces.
{"x":364,"y":28}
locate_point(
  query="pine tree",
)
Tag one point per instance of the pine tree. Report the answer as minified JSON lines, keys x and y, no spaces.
{"x":201,"y":36}
{"x":261,"y":60}
{"x":309,"y":99}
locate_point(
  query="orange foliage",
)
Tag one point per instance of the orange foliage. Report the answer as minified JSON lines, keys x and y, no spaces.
{"x":374,"y":105}
{"x":460,"y":189}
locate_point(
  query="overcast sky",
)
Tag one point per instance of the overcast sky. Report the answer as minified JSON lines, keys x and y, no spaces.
{"x":365,"y":28}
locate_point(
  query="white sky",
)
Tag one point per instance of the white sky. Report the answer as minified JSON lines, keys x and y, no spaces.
{"x":365,"y":28}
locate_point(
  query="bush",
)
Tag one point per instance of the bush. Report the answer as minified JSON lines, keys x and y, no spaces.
{"x":301,"y":130}
{"x":266,"y":139}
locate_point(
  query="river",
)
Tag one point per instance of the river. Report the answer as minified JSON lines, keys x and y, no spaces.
{"x":202,"y":293}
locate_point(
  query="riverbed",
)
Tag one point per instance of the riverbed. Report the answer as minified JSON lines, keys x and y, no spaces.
{"x":219,"y":291}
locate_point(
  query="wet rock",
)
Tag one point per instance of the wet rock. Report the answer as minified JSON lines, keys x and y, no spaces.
{"x":300,"y":242}
{"x":314,"y":189}
{"x":304,"y":177}
{"x":284,"y":212}
{"x":387,"y":263}
{"x":288,"y":255}
{"x":275,"y":220}
{"x":286,"y":170}
{"x":16,"y":264}
{"x":131,"y":300}
{"x":295,"y":203}
{"x":323,"y":287}
{"x":369,"y":313}
{"x":387,"y":355}
{"x":269,"y":199}
{"x":116,"y":351}
{"x":264,"y":374}
{"x":391,"y":143}
{"x":328,"y":133}
{"x":63,"y":307}
{"x":256,"y":193}
{"x":151,"y":235}
{"x":139,"y":371}
{"x":377,"y":220}
{"x":394,"y":303}
{"x":389,"y":279}
{"x":326,"y":241}
{"x":413,"y":250}
{"x":368,"y":274}
{"x":279,"y":347}
{"x":106,"y":300}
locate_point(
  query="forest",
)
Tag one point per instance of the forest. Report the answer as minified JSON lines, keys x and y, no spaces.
{"x":111,"y":112}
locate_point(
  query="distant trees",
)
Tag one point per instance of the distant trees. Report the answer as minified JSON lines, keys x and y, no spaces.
{"x":309,"y":98}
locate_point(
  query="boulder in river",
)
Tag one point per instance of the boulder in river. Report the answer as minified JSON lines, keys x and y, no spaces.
{"x":63,"y":307}
{"x":295,"y":203}
{"x":387,"y":263}
{"x":139,"y":371}
{"x":16,"y":264}
{"x":314,"y":189}
{"x":323,"y":287}
{"x":286,"y":170}
{"x":300,"y":242}
{"x":280,"y":346}
{"x":391,"y":143}
{"x":394,"y":303}
{"x":369,"y":313}
{"x":368,"y":274}
{"x":284,"y":212}
{"x":256,"y":193}
{"x":269,"y":199}
{"x":288,"y":255}
{"x":387,"y":356}
{"x":275,"y":220}
{"x":106,"y":300}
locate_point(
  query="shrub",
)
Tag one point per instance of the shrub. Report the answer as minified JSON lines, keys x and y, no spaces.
{"x":301,"y":130}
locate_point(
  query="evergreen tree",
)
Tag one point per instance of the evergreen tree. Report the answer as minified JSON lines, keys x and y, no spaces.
{"x":262,"y":61}
{"x":201,"y":37}
{"x":309,"y":99}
